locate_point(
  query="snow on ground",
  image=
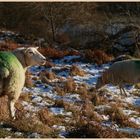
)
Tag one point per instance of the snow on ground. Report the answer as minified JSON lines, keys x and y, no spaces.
{"x":93,"y":72}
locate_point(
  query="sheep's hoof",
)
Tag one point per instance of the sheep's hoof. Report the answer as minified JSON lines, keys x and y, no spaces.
{"x":12,"y":118}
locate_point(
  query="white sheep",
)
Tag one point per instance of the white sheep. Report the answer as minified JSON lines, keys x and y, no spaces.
{"x":13,"y":66}
{"x":121,"y":73}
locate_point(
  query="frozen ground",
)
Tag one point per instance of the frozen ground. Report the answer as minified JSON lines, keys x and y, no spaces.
{"x":42,"y":90}
{"x":43,"y":95}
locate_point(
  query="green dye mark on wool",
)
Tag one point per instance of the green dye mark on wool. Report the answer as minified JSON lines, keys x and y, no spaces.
{"x":9,"y":60}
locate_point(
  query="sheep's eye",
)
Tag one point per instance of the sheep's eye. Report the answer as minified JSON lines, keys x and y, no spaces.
{"x":31,"y":53}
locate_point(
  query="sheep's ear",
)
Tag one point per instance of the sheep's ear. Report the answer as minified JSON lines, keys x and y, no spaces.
{"x":25,"y":49}
{"x":37,"y":47}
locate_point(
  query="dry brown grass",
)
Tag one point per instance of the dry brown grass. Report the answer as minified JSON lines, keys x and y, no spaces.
{"x":51,"y":52}
{"x":26,"y":97}
{"x":66,"y":86}
{"x":86,"y":124}
{"x":54,"y":53}
{"x":117,"y":115}
{"x":8,"y":45}
{"x":48,"y":75}
{"x":59,"y":90}
{"x":28,"y":80}
{"x":74,"y":70}
{"x":94,"y":130}
{"x":46,"y":116}
{"x":69,"y":85}
{"x":49,"y":64}
{"x":82,"y":90}
{"x":31,"y":124}
{"x":97,"y":56}
{"x":59,"y":103}
{"x":98,"y":99}
{"x":4,"y":110}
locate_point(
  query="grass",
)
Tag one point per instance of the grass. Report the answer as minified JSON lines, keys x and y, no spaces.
{"x":95,"y":130}
{"x":97,"y":56}
{"x":54,"y":53}
{"x":69,"y":85}
{"x":30,"y":124}
{"x":98,"y":99}
{"x":5,"y":133}
{"x":74,"y":70}
{"x":117,"y":115}
{"x":4,"y":110}
{"x":28,"y":80}
{"x":8,"y":45}
{"x":48,"y":75}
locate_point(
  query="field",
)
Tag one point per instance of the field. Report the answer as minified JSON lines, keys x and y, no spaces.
{"x":59,"y":99}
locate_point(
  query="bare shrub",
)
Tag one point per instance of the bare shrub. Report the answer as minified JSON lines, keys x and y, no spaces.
{"x":97,"y":56}
{"x":51,"y":52}
{"x":8,"y":45}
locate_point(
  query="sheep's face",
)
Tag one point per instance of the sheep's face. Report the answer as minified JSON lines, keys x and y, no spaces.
{"x":34,"y":57}
{"x":99,"y":83}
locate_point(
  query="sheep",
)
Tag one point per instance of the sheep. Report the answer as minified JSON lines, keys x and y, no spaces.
{"x":121,"y":73}
{"x":13,"y":66}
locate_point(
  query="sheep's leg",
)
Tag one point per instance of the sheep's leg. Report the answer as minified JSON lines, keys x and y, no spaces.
{"x":124,"y":91}
{"x":12,"y":108}
{"x":120,"y":90}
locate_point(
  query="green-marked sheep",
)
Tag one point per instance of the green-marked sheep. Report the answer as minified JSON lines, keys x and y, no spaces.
{"x":121,"y":73}
{"x":13,"y":66}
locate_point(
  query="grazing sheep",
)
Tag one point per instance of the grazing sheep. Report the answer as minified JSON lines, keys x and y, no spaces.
{"x":121,"y":73}
{"x":12,"y":72}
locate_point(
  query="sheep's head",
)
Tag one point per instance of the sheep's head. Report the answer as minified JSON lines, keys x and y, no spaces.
{"x":33,"y":56}
{"x":29,"y":56}
{"x":99,"y":83}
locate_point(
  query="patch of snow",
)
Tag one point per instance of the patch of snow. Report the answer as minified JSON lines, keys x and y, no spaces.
{"x":29,"y":106}
{"x":71,"y":97}
{"x":135,"y":120}
{"x":18,"y":133}
{"x":102,"y":107}
{"x":133,"y":100}
{"x":130,"y":130}
{"x":34,"y":135}
{"x":37,"y":99}
{"x":60,"y":111}
{"x":105,"y":117}
{"x":129,"y":112}
{"x":110,"y":124}
{"x":67,"y":59}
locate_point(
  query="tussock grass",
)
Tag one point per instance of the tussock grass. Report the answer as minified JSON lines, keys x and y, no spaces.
{"x":69,"y":85}
{"x":74,"y":70}
{"x":117,"y":115}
